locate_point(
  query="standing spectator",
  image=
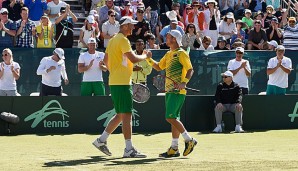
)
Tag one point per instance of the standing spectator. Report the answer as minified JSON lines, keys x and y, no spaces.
{"x":226,"y":6}
{"x":228,"y":97}
{"x":45,"y":32}
{"x":64,"y":28}
{"x":142,"y":28}
{"x":259,"y":16}
{"x":54,"y":8}
{"x":7,"y":29}
{"x":248,"y":21}
{"x":126,"y":11}
{"x":212,"y":19}
{"x":221,"y":44}
{"x":197,"y":17}
{"x":87,"y":31}
{"x":240,"y":69}
{"x":278,"y":69}
{"x":206,"y":44}
{"x":152,"y":6}
{"x":240,"y":7}
{"x":36,"y":9}
{"x":290,"y":36}
{"x":140,"y":69}
{"x":51,"y":69}
{"x":269,"y":15}
{"x":257,"y":37}
{"x":272,"y":45}
{"x":91,"y":64}
{"x":151,"y":42}
{"x":26,"y":30}
{"x":103,"y":12}
{"x":240,"y":33}
{"x":14,"y":8}
{"x":9,"y":73}
{"x":227,"y":27}
{"x":190,"y":37}
{"x":274,"y":32}
{"x":110,"y":28}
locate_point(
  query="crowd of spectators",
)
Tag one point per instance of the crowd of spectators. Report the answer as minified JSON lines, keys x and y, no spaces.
{"x":252,"y":24}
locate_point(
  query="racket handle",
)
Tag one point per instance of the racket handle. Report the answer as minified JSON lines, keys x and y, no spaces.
{"x":192,"y":89}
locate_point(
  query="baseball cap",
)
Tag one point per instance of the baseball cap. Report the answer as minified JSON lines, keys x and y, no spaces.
{"x":239,"y":49}
{"x":60,"y":53}
{"x":91,"y":19}
{"x":221,"y":39}
{"x":273,"y":43}
{"x":3,"y":10}
{"x":93,"y":12}
{"x":230,"y":15}
{"x":127,"y":20}
{"x":91,"y":40}
{"x":247,"y":11}
{"x":275,"y":20}
{"x":227,"y":73}
{"x":177,"y":35}
{"x":280,"y":47}
{"x":292,"y":19}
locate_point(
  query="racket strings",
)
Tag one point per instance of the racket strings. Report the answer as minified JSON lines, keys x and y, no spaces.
{"x":141,"y":94}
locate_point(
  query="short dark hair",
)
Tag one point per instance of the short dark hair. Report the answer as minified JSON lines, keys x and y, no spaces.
{"x":111,"y":11}
{"x":140,"y":40}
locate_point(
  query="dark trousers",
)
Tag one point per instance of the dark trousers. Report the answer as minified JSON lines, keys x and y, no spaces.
{"x":50,"y":91}
{"x":244,"y":91}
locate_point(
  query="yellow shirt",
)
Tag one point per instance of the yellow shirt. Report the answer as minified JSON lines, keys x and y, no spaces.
{"x":45,"y":42}
{"x":176,"y":63}
{"x":120,"y":67}
{"x":141,"y":76}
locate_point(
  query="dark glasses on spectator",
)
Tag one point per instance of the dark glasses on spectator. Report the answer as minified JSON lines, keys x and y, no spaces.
{"x":191,"y":26}
{"x":4,"y":13}
{"x":5,"y":54}
{"x":239,"y":53}
{"x":291,"y":21}
{"x":207,"y":43}
{"x":140,"y":11}
{"x":225,"y":76}
{"x":112,"y":15}
{"x":188,"y":8}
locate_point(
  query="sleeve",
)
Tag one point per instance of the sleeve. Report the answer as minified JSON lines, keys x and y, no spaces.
{"x":16,"y":65}
{"x":185,"y":61}
{"x":264,"y":36}
{"x":104,"y":28}
{"x":81,"y":60}
{"x":162,"y":63}
{"x":217,"y":94}
{"x":248,"y":65}
{"x":230,"y":65}
{"x":63,"y":72}
{"x":250,"y":35}
{"x":38,"y":29}
{"x":270,"y":63}
{"x":126,"y":47}
{"x":42,"y":67}
{"x":220,"y":29}
{"x":163,"y":32}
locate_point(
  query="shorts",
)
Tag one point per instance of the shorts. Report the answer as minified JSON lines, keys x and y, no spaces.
{"x":96,"y":88}
{"x":122,"y":98}
{"x":174,"y":103}
{"x":274,"y":90}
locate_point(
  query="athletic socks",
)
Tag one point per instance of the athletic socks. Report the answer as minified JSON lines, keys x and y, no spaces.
{"x":186,"y":136}
{"x":104,"y":136}
{"x":128,"y":144}
{"x":175,"y":143}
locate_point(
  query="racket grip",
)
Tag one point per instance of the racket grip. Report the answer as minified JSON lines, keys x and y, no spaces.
{"x":192,"y":89}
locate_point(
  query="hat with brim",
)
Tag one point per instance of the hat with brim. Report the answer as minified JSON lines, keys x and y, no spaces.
{"x":247,"y":11}
{"x":177,"y":35}
{"x":221,"y":39}
{"x":273,"y":43}
{"x":45,"y":16}
{"x":210,"y":1}
{"x":127,"y":20}
{"x":270,"y":6}
{"x":231,"y":16}
{"x":60,"y":53}
{"x":227,"y":73}
{"x":3,"y":10}
{"x":91,"y":40}
{"x":280,"y":47}
{"x":237,"y":44}
{"x":91,"y":19}
{"x":172,"y":15}
{"x":244,"y":25}
{"x":239,"y":49}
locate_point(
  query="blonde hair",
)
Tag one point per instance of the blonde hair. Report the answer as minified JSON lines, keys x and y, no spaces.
{"x":10,"y":52}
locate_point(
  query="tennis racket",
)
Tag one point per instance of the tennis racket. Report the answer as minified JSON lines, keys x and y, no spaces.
{"x":141,"y":93}
{"x":159,"y":82}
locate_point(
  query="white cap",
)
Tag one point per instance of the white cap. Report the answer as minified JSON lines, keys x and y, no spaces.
{"x":211,"y":1}
{"x":177,"y":35}
{"x":172,"y":15}
{"x":127,"y":20}
{"x":91,"y":19}
{"x":3,"y":10}
{"x":227,"y":73}
{"x":93,"y":12}
{"x":247,"y":11}
{"x":280,"y":47}
{"x":91,"y":40}
{"x":273,"y":43}
{"x":60,"y":53}
{"x":241,"y":49}
{"x":229,"y":15}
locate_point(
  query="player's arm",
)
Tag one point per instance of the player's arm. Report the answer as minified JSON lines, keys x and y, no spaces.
{"x":154,"y":64}
{"x":134,"y":58}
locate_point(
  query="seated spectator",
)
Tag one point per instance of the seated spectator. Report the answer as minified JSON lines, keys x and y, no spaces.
{"x":110,"y":28}
{"x":240,"y":33}
{"x":190,"y":36}
{"x":9,"y":73}
{"x":7,"y":29}
{"x":227,"y":27}
{"x":257,"y":37}
{"x":53,"y":9}
{"x":206,"y":44}
{"x":272,"y":45}
{"x":212,"y":19}
{"x":36,"y":9}
{"x":14,"y":9}
{"x":103,"y":12}
{"x":126,"y":11}
{"x":228,"y":97}
{"x":290,"y":39}
{"x":64,"y":28}
{"x":87,"y":31}
{"x":248,"y":21}
{"x":259,"y":16}
{"x":278,"y":70}
{"x":45,"y":32}
{"x":26,"y":30}
{"x":188,"y":9}
{"x":274,"y":32}
{"x":222,"y":44}
{"x":151,"y":42}
{"x":197,"y":17}
{"x":268,"y":16}
{"x":226,"y":6}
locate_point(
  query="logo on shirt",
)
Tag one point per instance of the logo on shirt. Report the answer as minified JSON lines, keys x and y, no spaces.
{"x":53,"y":107}
{"x":294,"y":114}
{"x":109,"y":115}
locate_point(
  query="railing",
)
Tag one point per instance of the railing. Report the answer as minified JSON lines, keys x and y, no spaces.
{"x":289,"y":4}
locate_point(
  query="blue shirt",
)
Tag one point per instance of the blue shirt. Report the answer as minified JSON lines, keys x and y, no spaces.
{"x":167,"y":29}
{"x":234,"y":36}
{"x":25,"y":39}
{"x":7,"y":40}
{"x":36,"y":9}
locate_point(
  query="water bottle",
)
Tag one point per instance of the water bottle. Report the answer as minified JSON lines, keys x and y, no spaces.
{"x":222,"y":126}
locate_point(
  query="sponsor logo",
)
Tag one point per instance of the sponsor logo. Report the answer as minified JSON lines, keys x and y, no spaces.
{"x":111,"y":113}
{"x":294,"y":114}
{"x":53,"y":107}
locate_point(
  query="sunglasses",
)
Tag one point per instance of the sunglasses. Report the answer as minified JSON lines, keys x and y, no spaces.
{"x":191,"y":27}
{"x":112,"y":15}
{"x":152,"y":38}
{"x":239,"y":53}
{"x":206,"y":43}
{"x":5,"y":54}
{"x":140,"y":11}
{"x":291,"y":21}
{"x":225,"y":76}
{"x":188,"y":8}
{"x":5,"y":13}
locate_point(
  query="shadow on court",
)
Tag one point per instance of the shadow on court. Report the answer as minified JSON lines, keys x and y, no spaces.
{"x":108,"y":161}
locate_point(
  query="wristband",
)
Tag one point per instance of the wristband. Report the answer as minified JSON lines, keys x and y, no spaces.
{"x":150,"y":61}
{"x":185,"y":80}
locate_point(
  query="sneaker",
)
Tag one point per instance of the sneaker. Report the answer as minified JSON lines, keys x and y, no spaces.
{"x":133,"y":153}
{"x":217,"y":129}
{"x":170,"y":153}
{"x":238,"y":129}
{"x":102,"y":146}
{"x":189,"y":146}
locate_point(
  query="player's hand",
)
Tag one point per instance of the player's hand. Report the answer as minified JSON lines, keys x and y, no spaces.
{"x":238,"y":107}
{"x":279,"y":63}
{"x":219,"y":106}
{"x":91,"y":63}
{"x":181,"y":86}
{"x":243,"y":65}
{"x":51,"y":68}
{"x":66,"y":82}
{"x":137,"y":68}
{"x":148,"y":53}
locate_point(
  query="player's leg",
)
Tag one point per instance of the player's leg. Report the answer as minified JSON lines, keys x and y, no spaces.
{"x":99,"y":88}
{"x":86,"y":89}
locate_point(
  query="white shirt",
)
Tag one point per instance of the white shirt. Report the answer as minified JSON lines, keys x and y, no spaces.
{"x":209,"y":48}
{"x":52,"y":78}
{"x":279,"y":78}
{"x":94,"y":73}
{"x":7,"y":81}
{"x":55,"y":9}
{"x":110,"y":29}
{"x":240,"y":78}
{"x":224,"y":27}
{"x":87,"y":33}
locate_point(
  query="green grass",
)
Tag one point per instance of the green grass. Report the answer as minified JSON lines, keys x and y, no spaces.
{"x":268,"y":150}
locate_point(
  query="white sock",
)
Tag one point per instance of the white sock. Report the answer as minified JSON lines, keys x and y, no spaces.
{"x":175,"y":143}
{"x":104,"y":136}
{"x":219,"y":125}
{"x":128,"y":144}
{"x":186,"y":136}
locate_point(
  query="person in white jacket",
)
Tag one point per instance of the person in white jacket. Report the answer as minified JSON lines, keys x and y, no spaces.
{"x":212,"y":19}
{"x":51,"y":68}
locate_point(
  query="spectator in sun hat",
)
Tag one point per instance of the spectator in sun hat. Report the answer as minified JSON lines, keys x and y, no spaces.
{"x":51,"y":69}
{"x":240,"y":33}
{"x":227,"y":26}
{"x":268,"y":16}
{"x":237,"y":43}
{"x":272,"y":45}
{"x":212,"y":19}
{"x":274,"y":32}
{"x":7,"y":29}
{"x":221,"y":43}
{"x":87,"y":31}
